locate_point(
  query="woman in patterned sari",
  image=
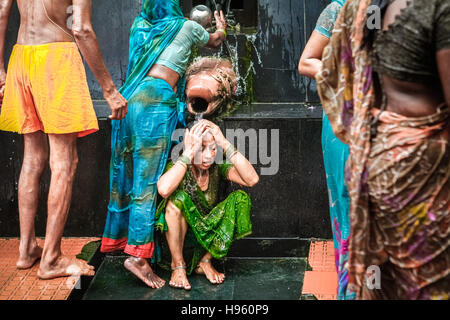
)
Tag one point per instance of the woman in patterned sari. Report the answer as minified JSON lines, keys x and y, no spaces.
{"x":386,"y":93}
{"x":335,"y":153}
{"x":190,"y":188}
{"x":161,"y":43}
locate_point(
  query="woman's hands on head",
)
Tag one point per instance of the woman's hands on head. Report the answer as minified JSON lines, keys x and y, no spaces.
{"x":217,"y":134}
{"x":193,"y":139}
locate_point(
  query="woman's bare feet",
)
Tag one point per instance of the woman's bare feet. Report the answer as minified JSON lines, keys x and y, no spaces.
{"x":28,"y":257}
{"x":179,"y":278}
{"x":64,"y":267}
{"x":205,"y":267}
{"x":141,"y":269}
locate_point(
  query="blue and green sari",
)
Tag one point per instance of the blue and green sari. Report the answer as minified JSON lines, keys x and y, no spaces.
{"x":140,"y":143}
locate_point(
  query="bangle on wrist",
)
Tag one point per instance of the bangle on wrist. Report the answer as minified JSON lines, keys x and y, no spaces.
{"x":233,"y":154}
{"x":184,"y":159}
{"x":182,"y":164}
{"x":230,"y":151}
{"x":223,"y":31}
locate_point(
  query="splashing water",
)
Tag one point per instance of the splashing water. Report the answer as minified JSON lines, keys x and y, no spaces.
{"x":252,"y":38}
{"x":198,"y":117}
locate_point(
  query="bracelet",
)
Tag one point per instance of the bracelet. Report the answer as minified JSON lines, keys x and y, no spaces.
{"x":231,"y":151}
{"x":182,"y":164}
{"x":223,"y":31}
{"x":184,"y":159}
{"x":232,"y":155}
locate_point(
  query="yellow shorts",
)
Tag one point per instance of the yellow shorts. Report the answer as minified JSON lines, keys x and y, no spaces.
{"x":46,"y":90}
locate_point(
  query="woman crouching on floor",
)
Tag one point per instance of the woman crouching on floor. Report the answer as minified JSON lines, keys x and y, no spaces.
{"x":190,"y":187}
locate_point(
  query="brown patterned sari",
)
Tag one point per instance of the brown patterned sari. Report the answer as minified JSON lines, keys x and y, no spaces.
{"x":398,"y":179}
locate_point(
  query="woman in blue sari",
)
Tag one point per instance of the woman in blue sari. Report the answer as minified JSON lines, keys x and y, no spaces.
{"x":161,"y":43}
{"x":335,"y":153}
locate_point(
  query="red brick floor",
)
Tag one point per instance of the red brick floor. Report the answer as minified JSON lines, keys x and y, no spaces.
{"x":322,"y":281}
{"x":23,"y":284}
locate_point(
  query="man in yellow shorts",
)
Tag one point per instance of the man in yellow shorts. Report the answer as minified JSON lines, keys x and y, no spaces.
{"x":45,"y":97}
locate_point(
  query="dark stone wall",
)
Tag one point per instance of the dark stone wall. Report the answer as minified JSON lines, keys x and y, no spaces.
{"x":284,"y":28}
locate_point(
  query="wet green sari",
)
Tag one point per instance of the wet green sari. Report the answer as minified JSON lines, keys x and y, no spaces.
{"x":214,"y":225}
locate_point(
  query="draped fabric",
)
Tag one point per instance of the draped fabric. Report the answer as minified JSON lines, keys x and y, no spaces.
{"x":141,"y":141}
{"x":152,"y":32}
{"x":140,"y":146}
{"x":397,"y":174}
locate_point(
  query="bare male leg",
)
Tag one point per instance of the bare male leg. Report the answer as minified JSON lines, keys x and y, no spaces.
{"x":34,"y":162}
{"x":43,"y":22}
{"x":63,"y":164}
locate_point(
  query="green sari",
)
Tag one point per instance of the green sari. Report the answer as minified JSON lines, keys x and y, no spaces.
{"x":214,"y":225}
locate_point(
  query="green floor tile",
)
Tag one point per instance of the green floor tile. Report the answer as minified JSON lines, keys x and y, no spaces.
{"x":246,"y":279}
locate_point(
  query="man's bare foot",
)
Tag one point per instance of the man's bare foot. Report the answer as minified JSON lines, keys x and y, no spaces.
{"x":141,"y":269}
{"x":64,"y":267}
{"x":179,"y":278}
{"x":205,"y":267}
{"x":28,"y":257}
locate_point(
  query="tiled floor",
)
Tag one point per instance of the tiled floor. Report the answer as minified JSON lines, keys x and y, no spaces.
{"x":23,"y":284}
{"x":322,"y":280}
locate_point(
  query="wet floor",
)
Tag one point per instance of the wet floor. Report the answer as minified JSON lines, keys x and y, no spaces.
{"x":246,"y":279}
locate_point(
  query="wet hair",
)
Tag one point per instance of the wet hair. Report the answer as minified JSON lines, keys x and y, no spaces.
{"x":369,"y":34}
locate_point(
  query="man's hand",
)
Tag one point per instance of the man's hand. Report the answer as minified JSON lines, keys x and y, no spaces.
{"x":87,"y":43}
{"x":118,"y":105}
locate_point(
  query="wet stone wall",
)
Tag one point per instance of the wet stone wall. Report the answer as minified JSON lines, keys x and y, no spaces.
{"x":291,"y":204}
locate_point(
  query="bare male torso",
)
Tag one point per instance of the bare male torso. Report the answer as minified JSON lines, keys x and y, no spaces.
{"x":46,"y":21}
{"x":35,"y":26}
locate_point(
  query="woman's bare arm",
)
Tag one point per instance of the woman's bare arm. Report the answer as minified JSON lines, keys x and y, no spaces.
{"x":311,"y":59}
{"x":170,"y":181}
{"x":242,"y":172}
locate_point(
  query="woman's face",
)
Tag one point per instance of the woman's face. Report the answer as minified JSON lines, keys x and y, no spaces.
{"x":208,"y":153}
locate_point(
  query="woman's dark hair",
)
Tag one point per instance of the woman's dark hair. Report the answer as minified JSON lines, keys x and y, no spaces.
{"x":369,"y":34}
